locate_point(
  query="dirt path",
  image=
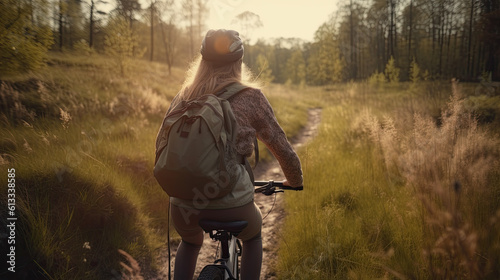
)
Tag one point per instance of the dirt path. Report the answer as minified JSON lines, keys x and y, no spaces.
{"x":271,"y":228}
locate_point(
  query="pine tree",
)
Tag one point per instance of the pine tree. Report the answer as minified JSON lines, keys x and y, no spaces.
{"x":414,"y":72}
{"x":326,"y":64}
{"x":391,"y":71}
{"x":24,"y":41}
{"x":121,"y":43}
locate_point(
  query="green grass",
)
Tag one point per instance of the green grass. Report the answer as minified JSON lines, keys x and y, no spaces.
{"x":355,"y":210}
{"x":81,"y":138}
{"x":363,"y":215}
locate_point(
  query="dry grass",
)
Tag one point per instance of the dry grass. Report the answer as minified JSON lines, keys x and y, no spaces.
{"x":395,"y":189}
{"x":450,"y":166}
{"x":82,"y":141}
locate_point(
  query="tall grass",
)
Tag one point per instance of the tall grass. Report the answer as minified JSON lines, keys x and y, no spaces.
{"x":396,"y":186}
{"x":451,"y":169}
{"x":81,"y":138}
{"x":343,"y":225}
{"x":394,"y":191}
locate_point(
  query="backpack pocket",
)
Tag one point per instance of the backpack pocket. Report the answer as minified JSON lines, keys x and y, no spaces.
{"x":192,"y":165}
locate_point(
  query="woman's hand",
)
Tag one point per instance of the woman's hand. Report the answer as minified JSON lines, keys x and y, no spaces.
{"x":287,"y":184}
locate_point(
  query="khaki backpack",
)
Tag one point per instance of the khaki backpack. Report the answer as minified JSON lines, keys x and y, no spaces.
{"x":195,"y":152}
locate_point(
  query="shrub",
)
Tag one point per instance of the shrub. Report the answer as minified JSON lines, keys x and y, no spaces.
{"x":392,"y":71}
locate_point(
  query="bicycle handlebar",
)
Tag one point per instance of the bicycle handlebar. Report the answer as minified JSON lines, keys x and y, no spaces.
{"x":271,"y":187}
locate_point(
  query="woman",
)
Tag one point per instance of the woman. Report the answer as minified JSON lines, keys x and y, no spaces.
{"x":220,"y":65}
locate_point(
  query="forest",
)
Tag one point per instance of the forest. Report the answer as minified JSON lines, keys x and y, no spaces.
{"x":401,"y":179}
{"x":443,"y":39}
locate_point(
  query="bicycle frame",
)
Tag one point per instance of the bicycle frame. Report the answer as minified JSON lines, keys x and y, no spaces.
{"x":230,"y":247}
{"x":232,"y":264}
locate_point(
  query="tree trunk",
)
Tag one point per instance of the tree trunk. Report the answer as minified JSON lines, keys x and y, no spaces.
{"x":191,"y":27}
{"x":91,"y":22}
{"x":391,"y":30}
{"x":152,"y":31}
{"x":353,"y":54}
{"x":469,"y":48}
{"x":201,"y":11}
{"x":441,"y":38}
{"x":61,"y":27}
{"x":410,"y":31}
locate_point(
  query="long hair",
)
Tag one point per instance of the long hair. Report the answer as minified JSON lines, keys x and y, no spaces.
{"x":203,"y":78}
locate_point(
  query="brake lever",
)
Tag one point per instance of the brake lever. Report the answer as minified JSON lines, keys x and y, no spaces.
{"x":261,"y":189}
{"x":270,"y":191}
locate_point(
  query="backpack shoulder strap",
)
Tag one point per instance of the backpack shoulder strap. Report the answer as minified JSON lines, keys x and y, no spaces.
{"x":231,"y":90}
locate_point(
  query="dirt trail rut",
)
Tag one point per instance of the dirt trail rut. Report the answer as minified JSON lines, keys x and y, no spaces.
{"x":271,"y":227}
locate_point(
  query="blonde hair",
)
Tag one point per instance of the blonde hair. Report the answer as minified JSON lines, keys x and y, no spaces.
{"x":202,"y":78}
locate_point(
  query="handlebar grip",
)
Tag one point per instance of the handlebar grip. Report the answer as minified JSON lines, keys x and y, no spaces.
{"x":264,"y":183}
{"x":277,"y":184}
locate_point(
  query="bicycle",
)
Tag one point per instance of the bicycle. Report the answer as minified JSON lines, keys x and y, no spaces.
{"x":227,"y":266}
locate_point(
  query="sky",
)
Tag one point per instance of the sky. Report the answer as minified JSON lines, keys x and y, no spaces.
{"x":280,"y":18}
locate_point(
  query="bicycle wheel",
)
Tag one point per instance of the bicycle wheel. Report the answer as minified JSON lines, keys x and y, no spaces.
{"x":211,"y":273}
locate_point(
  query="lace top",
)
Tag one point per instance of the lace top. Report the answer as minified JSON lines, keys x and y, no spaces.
{"x":255,"y":117}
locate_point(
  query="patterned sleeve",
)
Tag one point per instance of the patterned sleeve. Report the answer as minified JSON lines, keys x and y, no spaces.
{"x":255,"y":110}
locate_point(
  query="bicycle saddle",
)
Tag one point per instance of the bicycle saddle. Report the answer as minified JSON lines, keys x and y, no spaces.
{"x":232,"y":227}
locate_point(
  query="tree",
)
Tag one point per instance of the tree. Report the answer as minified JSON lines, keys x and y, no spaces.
{"x":247,"y":21}
{"x":24,"y":36}
{"x":325,"y":64}
{"x":377,"y":22}
{"x":74,"y":22}
{"x":188,"y":11}
{"x":121,"y":43}
{"x":152,"y":24}
{"x":202,"y":12}
{"x":69,"y":22}
{"x":469,"y":47}
{"x":169,"y":32}
{"x":392,"y":28}
{"x":296,"y":67}
{"x":128,"y":8}
{"x":410,"y":28}
{"x":92,"y":10}
{"x":414,"y":72}
{"x":391,"y":71}
{"x":195,"y":12}
{"x":489,"y":34}
{"x":61,"y":12}
{"x":352,"y":38}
